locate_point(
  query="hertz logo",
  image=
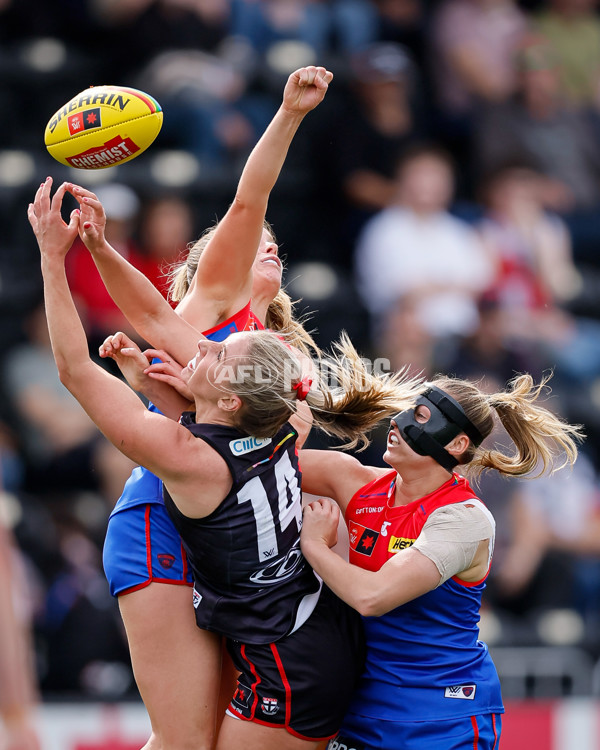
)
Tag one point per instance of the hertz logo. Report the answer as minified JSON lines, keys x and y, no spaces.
{"x":398,"y":543}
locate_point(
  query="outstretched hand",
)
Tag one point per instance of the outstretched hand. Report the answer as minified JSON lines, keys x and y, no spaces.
{"x":93,"y":219}
{"x":306,"y":89}
{"x":53,"y":234}
{"x":129,"y":358}
{"x":320,"y":524}
{"x":168,"y":371}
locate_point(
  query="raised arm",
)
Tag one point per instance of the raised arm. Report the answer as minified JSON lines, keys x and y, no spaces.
{"x":225,"y":287}
{"x":109,"y":402}
{"x":135,"y":295}
{"x":219,"y":288}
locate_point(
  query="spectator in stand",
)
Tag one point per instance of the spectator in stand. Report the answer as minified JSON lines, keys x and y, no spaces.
{"x":142,"y":29}
{"x":420,"y":270}
{"x":180,"y":54}
{"x":165,"y":231}
{"x":537,"y":125}
{"x":403,"y":21}
{"x":473,"y":45}
{"x":487,"y":355}
{"x":553,"y":557}
{"x":573,"y":29}
{"x":374,"y":125}
{"x":64,"y":450}
{"x":531,"y":251}
{"x":535,"y":275}
{"x":322,"y":25}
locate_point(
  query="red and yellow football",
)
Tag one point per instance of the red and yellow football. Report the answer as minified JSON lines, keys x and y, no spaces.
{"x":103,"y":126}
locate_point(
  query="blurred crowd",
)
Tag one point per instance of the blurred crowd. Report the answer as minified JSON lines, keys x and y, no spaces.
{"x":442,"y":206}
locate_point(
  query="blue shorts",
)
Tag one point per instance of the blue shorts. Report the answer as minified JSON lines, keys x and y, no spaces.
{"x":471,"y":733}
{"x":142,"y":547}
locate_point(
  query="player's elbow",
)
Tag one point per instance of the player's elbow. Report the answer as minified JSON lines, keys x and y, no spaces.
{"x":71,"y":374}
{"x":370,"y":604}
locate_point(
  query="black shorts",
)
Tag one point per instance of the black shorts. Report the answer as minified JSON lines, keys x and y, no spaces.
{"x":302,"y":682}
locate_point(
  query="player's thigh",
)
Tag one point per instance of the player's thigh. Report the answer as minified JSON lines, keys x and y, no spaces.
{"x":177,"y":665}
{"x":252,"y":736}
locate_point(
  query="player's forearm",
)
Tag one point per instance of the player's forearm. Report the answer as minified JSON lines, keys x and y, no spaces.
{"x":166,"y":399}
{"x":133,"y":293}
{"x":67,"y":335}
{"x":352,"y":584}
{"x":267,"y":158}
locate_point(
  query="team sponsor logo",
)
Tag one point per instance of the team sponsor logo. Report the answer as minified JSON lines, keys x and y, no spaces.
{"x":112,"y":152}
{"x":270,"y":706}
{"x":398,"y":543}
{"x":280,"y":570}
{"x":362,"y":539}
{"x":196,"y":598}
{"x":368,"y":509}
{"x":166,"y":561}
{"x":86,"y":120}
{"x":240,"y":446}
{"x":343,"y":743}
{"x":466,"y":692}
{"x":241,"y":697}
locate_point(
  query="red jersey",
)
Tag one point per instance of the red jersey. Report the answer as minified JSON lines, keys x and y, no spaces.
{"x":378,"y":529}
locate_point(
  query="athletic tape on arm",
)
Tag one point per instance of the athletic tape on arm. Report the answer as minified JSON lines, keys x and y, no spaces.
{"x":451,"y":535}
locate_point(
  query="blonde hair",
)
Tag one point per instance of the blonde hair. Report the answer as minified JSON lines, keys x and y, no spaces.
{"x":544,"y":443}
{"x":349,"y":410}
{"x":280,"y":313}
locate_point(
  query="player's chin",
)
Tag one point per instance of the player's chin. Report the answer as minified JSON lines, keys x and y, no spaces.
{"x":267,"y":283}
{"x":390,"y":455}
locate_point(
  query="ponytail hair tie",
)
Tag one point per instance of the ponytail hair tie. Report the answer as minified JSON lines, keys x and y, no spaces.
{"x":302,"y":388}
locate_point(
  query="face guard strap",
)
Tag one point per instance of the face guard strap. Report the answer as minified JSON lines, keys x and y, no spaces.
{"x":453,"y":411}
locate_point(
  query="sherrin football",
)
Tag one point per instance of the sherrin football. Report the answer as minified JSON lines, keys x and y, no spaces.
{"x":103,"y":126}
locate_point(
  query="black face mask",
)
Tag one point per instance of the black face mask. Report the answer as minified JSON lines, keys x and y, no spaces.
{"x":447,"y":420}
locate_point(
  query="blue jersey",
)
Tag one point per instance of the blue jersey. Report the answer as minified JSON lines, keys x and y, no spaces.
{"x":425,"y":661}
{"x":143,"y":487}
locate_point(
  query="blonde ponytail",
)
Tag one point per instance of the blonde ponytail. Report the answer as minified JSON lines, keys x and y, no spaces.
{"x":544,"y":443}
{"x":360,"y":398}
{"x":268,"y":379}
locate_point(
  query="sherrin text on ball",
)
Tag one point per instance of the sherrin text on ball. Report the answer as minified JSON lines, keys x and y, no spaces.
{"x":103,"y":126}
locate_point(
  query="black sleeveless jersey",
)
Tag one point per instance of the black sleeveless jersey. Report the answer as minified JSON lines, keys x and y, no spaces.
{"x":251,"y":581}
